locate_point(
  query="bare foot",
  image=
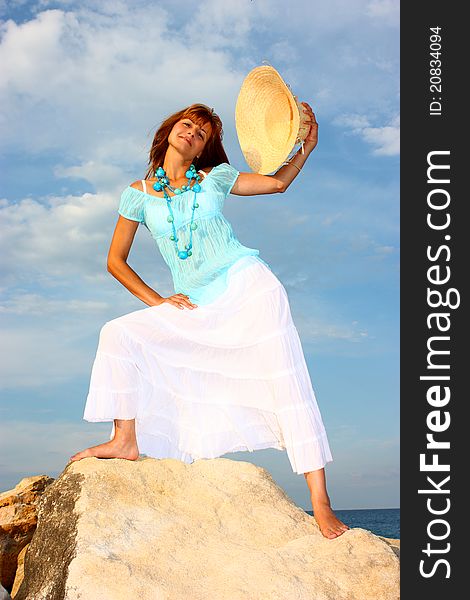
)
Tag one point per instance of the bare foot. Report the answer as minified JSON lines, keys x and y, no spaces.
{"x":330,"y":526}
{"x":112,"y":449}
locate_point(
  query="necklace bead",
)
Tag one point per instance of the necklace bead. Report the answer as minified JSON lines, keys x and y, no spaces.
{"x":161,"y":184}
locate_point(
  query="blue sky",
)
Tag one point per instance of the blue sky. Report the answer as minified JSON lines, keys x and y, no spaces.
{"x":83,"y":87}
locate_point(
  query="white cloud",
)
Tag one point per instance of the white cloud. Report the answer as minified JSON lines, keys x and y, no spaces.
{"x":56,"y":236}
{"x":385,"y":139}
{"x":34,"y":304}
{"x":355,"y":122}
{"x":330,"y":219}
{"x":283,"y":52}
{"x":317,"y":329}
{"x":71,"y":69}
{"x":44,"y":354}
{"x":101,"y":175}
{"x":218,"y":24}
{"x":385,"y":249}
{"x":387,"y":11}
{"x":54,"y":266}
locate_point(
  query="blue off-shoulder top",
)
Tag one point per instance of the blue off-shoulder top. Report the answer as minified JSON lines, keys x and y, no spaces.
{"x":203,"y":275}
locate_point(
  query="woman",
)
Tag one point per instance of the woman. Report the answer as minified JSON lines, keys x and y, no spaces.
{"x":218,"y":366}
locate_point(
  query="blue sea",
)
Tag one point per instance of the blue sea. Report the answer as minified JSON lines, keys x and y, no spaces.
{"x":381,"y":521}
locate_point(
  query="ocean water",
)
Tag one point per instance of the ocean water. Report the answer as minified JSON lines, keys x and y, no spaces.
{"x":381,"y":521}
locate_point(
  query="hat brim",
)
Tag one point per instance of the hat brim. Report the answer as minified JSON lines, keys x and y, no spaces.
{"x":267,"y":119}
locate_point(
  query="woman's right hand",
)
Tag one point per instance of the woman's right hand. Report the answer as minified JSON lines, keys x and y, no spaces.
{"x":178,"y":300}
{"x":312,"y":135}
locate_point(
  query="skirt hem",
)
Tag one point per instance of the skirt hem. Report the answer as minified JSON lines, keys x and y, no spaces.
{"x":189,"y":457}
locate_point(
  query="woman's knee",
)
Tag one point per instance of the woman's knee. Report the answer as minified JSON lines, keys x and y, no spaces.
{"x":110,"y":335}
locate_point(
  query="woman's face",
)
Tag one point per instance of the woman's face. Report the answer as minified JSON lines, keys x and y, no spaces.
{"x":189,"y":138}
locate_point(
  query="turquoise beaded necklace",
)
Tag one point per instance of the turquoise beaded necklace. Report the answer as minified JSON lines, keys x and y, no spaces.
{"x":163,"y":183}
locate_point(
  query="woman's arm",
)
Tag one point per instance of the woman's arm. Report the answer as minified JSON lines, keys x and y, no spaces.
{"x":119,"y":249}
{"x":253,"y":184}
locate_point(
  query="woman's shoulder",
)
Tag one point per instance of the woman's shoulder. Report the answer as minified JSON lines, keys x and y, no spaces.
{"x":137,"y":185}
{"x":206,"y":170}
{"x":220,"y":167}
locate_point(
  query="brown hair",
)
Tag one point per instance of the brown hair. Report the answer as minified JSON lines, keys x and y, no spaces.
{"x":213,"y":153}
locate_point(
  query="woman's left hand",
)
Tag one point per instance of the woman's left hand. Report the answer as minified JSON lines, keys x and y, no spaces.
{"x":312,"y":135}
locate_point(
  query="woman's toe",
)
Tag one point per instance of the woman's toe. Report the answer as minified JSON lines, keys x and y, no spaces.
{"x":330,"y":534}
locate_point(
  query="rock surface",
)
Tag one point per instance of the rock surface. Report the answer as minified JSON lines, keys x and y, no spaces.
{"x":19,"y":572}
{"x":18,"y":518}
{"x":112,"y":529}
{"x":393,"y":543}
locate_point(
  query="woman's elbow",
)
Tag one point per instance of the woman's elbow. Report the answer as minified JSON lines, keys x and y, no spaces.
{"x":110,"y":267}
{"x":281,"y":186}
{"x":113,"y":264}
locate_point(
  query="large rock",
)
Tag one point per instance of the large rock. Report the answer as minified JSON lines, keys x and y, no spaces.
{"x":19,"y":572}
{"x":112,"y":529}
{"x":394,"y":543}
{"x":18,"y":520}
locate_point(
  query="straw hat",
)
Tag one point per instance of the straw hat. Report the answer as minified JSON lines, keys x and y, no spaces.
{"x":269,"y":119}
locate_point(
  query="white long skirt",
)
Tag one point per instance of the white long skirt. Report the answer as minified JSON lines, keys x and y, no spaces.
{"x":224,"y":377}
